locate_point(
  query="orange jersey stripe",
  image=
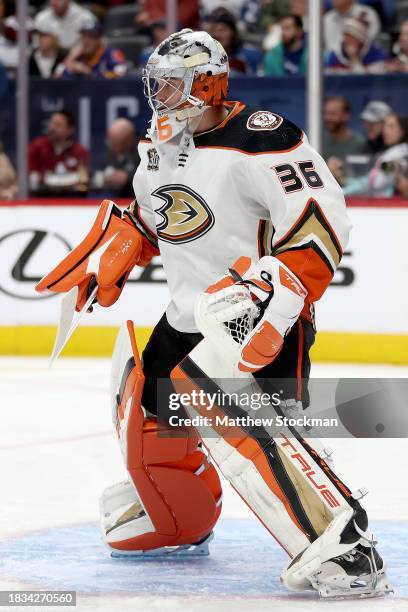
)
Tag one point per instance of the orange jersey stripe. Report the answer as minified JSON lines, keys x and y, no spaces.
{"x":310,"y":269}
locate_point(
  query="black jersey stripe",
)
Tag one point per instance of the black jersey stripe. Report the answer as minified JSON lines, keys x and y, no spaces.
{"x":235,"y":134}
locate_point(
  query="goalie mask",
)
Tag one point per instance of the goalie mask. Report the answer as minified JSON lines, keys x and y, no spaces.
{"x":186,"y":73}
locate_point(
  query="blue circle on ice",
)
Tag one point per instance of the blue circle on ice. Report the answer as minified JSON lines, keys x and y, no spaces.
{"x":244,"y":561}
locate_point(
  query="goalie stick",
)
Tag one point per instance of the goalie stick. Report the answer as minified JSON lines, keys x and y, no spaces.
{"x":68,"y":322}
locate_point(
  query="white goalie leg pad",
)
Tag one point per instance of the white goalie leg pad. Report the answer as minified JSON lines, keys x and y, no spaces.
{"x":248,"y":482}
{"x":249,"y":463}
{"x":122,"y":514}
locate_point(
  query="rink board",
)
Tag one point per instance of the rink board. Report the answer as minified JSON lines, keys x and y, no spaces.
{"x":362,"y":317}
{"x":91,"y":341}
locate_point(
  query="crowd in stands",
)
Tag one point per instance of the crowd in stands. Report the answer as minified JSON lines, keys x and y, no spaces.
{"x":374,"y":163}
{"x":262,"y":37}
{"x":59,"y":165}
{"x":108,"y":39}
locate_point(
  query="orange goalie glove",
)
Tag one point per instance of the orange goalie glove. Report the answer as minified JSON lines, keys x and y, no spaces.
{"x":104,"y":258}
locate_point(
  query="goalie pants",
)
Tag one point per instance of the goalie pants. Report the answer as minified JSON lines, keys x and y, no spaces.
{"x":167,"y":347}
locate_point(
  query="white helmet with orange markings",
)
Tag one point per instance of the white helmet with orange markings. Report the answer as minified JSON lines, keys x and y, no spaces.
{"x":186,"y":73}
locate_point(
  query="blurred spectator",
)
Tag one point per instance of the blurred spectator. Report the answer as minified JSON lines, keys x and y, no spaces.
{"x":92,"y":58}
{"x":151,"y":11}
{"x":250,"y":14}
{"x":243,"y":59}
{"x":8,"y":177}
{"x":67,"y":18}
{"x":339,"y":140}
{"x":159,"y":32}
{"x":47,"y":55}
{"x":356,"y":54}
{"x":58,"y":165}
{"x":400,"y":62}
{"x":333,"y":22}
{"x":272,"y":11}
{"x":289,"y":56}
{"x":122,"y":160}
{"x":8,"y":34}
{"x":373,"y":117}
{"x":382,"y":7}
{"x":352,"y":171}
{"x":300,"y":8}
{"x":390,"y":173}
{"x":233,"y":6}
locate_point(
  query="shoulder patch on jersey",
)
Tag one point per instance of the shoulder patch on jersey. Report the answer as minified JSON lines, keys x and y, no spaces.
{"x":264,"y":120}
{"x":153,"y":159}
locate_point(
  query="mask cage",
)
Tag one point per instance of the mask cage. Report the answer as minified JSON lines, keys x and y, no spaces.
{"x":167,"y":89}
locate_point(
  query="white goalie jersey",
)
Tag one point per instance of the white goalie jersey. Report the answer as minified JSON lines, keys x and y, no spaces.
{"x":250,"y":186}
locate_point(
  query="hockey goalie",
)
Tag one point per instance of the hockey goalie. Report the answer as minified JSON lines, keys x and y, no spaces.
{"x":250,"y":225}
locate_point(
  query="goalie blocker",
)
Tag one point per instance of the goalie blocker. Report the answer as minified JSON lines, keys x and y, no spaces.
{"x":105,"y":258}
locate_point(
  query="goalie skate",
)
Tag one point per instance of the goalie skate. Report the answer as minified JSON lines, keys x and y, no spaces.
{"x":123,"y":515}
{"x":360,"y":573}
{"x":200,"y":549}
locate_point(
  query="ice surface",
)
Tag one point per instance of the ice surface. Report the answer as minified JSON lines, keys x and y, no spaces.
{"x":57,"y":453}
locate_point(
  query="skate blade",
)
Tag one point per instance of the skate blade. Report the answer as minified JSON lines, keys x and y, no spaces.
{"x":184,"y":550}
{"x":329,"y":592}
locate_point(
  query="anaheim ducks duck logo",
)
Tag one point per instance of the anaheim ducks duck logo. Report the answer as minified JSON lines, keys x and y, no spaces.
{"x":186,"y":215}
{"x":264,"y":120}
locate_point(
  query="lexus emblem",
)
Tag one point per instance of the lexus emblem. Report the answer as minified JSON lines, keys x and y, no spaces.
{"x":26,"y":255}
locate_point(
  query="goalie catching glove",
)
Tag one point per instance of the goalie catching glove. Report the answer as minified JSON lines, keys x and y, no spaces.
{"x":105,"y":258}
{"x":276,"y":292}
